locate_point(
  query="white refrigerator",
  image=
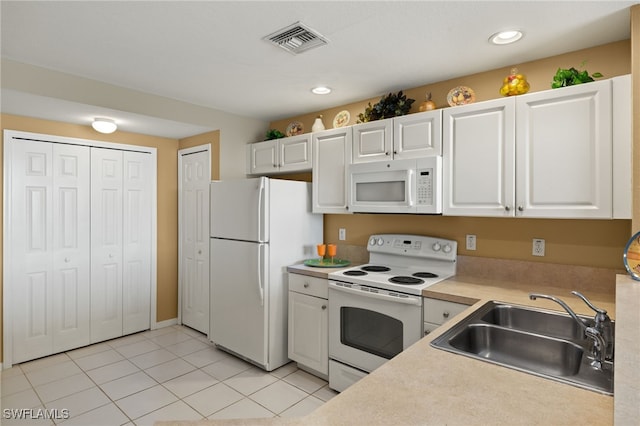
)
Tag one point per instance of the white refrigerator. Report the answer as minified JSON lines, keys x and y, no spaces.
{"x":258,"y":227}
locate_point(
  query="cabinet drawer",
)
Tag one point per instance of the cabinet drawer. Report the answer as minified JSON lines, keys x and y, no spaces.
{"x":440,"y":311}
{"x":312,"y":286}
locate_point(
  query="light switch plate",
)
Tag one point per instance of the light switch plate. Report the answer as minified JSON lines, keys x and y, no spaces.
{"x":342,"y":234}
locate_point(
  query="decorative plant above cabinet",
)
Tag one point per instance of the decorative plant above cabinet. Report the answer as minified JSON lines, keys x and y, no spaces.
{"x":391,"y":105}
{"x":571,"y":77}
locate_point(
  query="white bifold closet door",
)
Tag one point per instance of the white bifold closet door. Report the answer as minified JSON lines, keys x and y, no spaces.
{"x":51,"y":245}
{"x":120,"y":242}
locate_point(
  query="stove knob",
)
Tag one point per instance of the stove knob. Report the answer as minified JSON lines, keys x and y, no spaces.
{"x":372,"y":241}
{"x":446,"y":248}
{"x":436,"y":247}
{"x":380,"y":241}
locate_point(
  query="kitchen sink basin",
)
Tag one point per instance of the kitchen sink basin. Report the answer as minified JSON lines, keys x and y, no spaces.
{"x":549,"y":323}
{"x":536,"y":341}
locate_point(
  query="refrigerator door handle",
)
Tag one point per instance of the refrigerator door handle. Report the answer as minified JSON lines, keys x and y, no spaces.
{"x":260,"y":272}
{"x":261,"y":210}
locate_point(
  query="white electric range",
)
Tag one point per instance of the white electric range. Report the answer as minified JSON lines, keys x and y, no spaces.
{"x":375,"y":310}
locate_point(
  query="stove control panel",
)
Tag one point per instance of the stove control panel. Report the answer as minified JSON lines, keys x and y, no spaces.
{"x":413,"y":245}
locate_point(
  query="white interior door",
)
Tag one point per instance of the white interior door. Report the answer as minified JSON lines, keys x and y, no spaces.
{"x":31,"y":249}
{"x":136,"y":239}
{"x":71,"y":246}
{"x":195,"y":176}
{"x":106,"y":243}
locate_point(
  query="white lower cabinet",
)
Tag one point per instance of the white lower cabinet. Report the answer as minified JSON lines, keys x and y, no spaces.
{"x":436,"y":312}
{"x":309,"y":323}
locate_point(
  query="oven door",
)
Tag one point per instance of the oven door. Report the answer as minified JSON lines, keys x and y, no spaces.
{"x":383,"y":187}
{"x":368,"y":326}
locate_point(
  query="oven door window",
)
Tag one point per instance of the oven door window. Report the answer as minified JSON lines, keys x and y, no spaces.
{"x":371,"y":331}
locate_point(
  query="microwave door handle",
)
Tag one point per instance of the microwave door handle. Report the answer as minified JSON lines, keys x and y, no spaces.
{"x":411,"y":179}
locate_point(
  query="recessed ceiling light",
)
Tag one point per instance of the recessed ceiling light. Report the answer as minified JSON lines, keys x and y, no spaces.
{"x":321,"y":90}
{"x":104,"y":125}
{"x":506,"y":37}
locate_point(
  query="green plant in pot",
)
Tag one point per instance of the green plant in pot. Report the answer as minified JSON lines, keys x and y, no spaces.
{"x":570,"y":77}
{"x":391,"y":105}
{"x":273,"y":134}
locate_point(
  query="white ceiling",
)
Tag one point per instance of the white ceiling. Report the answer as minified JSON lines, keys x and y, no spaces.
{"x":211,"y":53}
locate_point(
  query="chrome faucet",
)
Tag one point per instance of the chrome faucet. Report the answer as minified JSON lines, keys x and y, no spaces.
{"x":601,"y":332}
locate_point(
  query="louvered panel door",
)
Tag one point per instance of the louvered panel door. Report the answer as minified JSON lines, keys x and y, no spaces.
{"x":32,"y":247}
{"x":71,"y":246}
{"x":106,"y":243}
{"x":136,"y":273}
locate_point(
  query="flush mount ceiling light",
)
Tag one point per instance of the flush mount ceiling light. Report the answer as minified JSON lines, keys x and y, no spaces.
{"x":104,"y":125}
{"x":321,"y":90}
{"x":506,"y":37}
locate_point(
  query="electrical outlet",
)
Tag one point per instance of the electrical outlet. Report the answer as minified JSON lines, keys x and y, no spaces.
{"x":342,"y":234}
{"x":471,"y":242}
{"x":538,"y":247}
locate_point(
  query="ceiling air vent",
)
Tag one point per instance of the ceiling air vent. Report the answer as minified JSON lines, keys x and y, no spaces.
{"x":296,"y":38}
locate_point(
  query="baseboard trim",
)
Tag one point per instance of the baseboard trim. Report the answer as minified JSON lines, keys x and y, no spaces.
{"x":165,"y":323}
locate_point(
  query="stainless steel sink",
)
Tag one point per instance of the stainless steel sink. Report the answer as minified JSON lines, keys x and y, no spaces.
{"x":549,"y":323}
{"x":540,"y":342}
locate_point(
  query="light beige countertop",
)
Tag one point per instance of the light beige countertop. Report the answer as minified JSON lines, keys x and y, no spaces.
{"x":428,"y":386}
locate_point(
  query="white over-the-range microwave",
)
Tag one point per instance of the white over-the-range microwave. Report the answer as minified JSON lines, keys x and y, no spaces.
{"x":397,"y":186}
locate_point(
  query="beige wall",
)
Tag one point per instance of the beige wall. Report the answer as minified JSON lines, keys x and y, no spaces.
{"x":575,"y":242}
{"x":167,"y":250}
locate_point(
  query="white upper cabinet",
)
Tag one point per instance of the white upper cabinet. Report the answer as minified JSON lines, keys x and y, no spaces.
{"x":373,"y":141}
{"x":292,"y":154}
{"x":564,"y":152}
{"x":331,"y":157}
{"x":417,"y":135}
{"x":478,"y":159}
{"x":546,"y":154}
{"x":408,"y":136}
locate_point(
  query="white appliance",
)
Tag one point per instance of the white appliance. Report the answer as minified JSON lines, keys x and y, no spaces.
{"x":398,"y":186}
{"x":375,"y":310}
{"x":258,"y":228}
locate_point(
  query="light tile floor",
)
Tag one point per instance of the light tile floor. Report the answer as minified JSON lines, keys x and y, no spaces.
{"x":172,"y":373}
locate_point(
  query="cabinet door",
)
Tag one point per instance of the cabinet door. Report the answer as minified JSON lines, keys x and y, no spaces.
{"x":262,"y":157}
{"x":564,"y":152}
{"x":417,"y":135}
{"x":295,"y":153}
{"x":136,"y":242}
{"x":478,"y":159}
{"x":373,"y":141}
{"x":106,"y":244}
{"x":331,"y":156}
{"x":71,"y":246}
{"x":308,"y":331}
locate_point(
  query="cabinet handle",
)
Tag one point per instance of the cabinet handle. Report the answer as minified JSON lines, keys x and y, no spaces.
{"x":67,"y":260}
{"x":199,"y":251}
{"x":507,"y":208}
{"x":520,"y":208}
{"x":445,"y":314}
{"x":324,"y":307}
{"x":386,"y":153}
{"x":110,"y":255}
{"x":306,"y":285}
